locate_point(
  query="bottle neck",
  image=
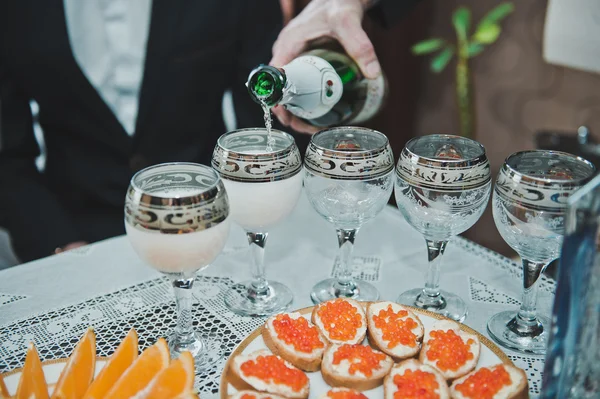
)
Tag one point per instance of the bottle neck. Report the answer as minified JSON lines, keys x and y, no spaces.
{"x":265,"y":85}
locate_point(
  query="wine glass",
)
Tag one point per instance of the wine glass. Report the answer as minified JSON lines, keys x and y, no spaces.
{"x":348,"y":181}
{"x":176,"y":218}
{"x":261,"y":172}
{"x":442,"y":187}
{"x":529,"y":204}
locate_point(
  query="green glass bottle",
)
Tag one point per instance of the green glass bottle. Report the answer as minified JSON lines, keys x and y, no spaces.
{"x":325,"y":87}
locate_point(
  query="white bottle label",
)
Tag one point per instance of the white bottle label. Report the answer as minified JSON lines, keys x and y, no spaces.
{"x":313,"y":87}
{"x":374,"y":100}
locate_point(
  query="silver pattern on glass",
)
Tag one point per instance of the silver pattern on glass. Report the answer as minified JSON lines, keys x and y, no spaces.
{"x":348,"y":181}
{"x":443,"y":185}
{"x":177,"y":221}
{"x":529,"y":204}
{"x":264,"y":186}
{"x":233,"y":162}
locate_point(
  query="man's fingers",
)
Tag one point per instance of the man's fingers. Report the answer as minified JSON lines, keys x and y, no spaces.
{"x":287,"y":119}
{"x":282,"y":114}
{"x":284,"y":54}
{"x":355,"y":41}
{"x":293,"y":39}
{"x":290,"y":44}
{"x":302,"y":127}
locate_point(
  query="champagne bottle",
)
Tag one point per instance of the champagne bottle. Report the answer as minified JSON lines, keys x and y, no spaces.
{"x":324,"y":87}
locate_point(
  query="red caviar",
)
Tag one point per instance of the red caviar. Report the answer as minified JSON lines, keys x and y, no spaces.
{"x":340,"y":319}
{"x":485,"y":383}
{"x":416,"y":384}
{"x":361,"y":357}
{"x":271,"y":369}
{"x":448,"y":348}
{"x":396,"y":327}
{"x":344,"y":394}
{"x":298,"y":333}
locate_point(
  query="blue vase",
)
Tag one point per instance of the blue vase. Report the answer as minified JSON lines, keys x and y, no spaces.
{"x":572,"y":368}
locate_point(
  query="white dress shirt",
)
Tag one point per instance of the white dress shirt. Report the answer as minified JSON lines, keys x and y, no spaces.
{"x":108,"y":40}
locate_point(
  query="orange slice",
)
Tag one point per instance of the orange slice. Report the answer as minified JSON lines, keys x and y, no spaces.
{"x":3,"y":388}
{"x":32,"y":383}
{"x":174,"y":381}
{"x":79,"y":371}
{"x":153,"y":360}
{"x":124,"y":356}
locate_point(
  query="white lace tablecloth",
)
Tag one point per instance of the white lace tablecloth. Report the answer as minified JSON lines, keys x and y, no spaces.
{"x":52,"y":301}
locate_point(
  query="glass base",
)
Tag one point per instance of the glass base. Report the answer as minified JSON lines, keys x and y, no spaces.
{"x":497,"y":326}
{"x":331,"y":289}
{"x":240,"y":301}
{"x":448,"y":304}
{"x":207,"y":350}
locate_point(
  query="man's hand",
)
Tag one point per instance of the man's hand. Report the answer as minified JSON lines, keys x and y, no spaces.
{"x":70,"y":246}
{"x":337,"y":19}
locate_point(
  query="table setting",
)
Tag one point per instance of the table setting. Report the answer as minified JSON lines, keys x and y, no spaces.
{"x":195,"y":269}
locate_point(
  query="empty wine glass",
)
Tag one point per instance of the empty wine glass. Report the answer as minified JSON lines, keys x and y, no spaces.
{"x":264,"y":185}
{"x":348,"y":181}
{"x":176,"y":218}
{"x":442,"y":187}
{"x":529,"y":204}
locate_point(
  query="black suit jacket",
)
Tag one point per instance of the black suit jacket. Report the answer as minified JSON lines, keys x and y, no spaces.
{"x":196,"y":50}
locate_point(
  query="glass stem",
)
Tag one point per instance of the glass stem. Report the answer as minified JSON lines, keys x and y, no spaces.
{"x":183,"y":298}
{"x":345,"y":286}
{"x":259,"y":288}
{"x":431,"y":297}
{"x":526,"y":322}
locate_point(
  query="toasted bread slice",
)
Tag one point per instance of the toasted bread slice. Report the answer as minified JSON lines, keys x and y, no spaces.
{"x":247,"y":394}
{"x":464,"y":357}
{"x":347,"y":365}
{"x":341,"y":320}
{"x":248,"y":372}
{"x":426,"y":375}
{"x":515,"y":387}
{"x":394,"y":329}
{"x":343,"y":393}
{"x":303,"y":345}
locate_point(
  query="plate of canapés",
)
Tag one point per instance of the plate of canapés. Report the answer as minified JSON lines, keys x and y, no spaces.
{"x":150,"y":374}
{"x":343,"y":349}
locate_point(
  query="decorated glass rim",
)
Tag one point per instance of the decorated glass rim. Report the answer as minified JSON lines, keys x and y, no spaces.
{"x":352,"y":152}
{"x":203,"y":194}
{"x":240,"y":155}
{"x":249,"y":154}
{"x":479,"y":156}
{"x":512,"y":170}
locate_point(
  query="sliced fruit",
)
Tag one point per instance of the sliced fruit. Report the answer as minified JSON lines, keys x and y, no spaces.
{"x":153,"y":360}
{"x":124,"y":356}
{"x":32,"y":383}
{"x":3,"y":388}
{"x":174,"y":381}
{"x":79,"y":371}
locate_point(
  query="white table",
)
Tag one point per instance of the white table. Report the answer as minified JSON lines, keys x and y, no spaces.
{"x":106,"y":285}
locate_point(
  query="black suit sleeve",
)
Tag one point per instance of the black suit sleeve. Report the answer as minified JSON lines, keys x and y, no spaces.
{"x":389,"y":12}
{"x":28,"y":210}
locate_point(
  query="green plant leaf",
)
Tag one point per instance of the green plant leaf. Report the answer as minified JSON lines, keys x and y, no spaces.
{"x":427,"y":46}
{"x":487,"y":34}
{"x":441,"y":60}
{"x":497,"y":14}
{"x":474,"y":49}
{"x":461,"y":19}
